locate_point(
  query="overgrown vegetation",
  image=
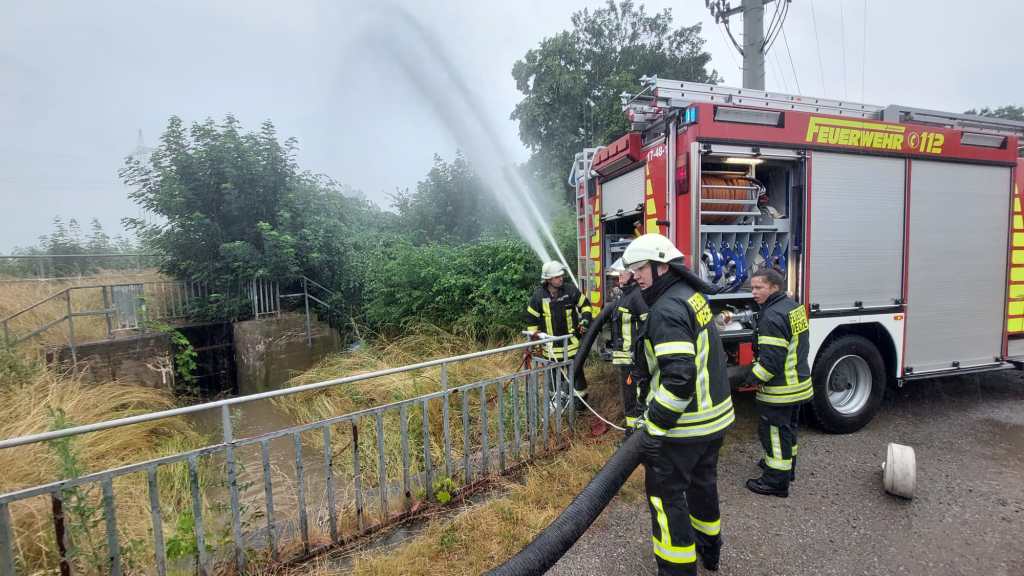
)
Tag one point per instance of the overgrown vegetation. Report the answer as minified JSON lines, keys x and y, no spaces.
{"x":68,"y":251}
{"x":34,"y":400}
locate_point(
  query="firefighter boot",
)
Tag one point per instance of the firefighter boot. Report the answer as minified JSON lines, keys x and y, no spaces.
{"x":769,"y":486}
{"x":709,"y":556}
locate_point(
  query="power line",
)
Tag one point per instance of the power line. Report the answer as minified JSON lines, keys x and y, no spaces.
{"x":731,"y":55}
{"x":782,"y":73}
{"x":792,"y":65}
{"x":864,"y":51}
{"x":842,"y":25}
{"x":821,"y":65}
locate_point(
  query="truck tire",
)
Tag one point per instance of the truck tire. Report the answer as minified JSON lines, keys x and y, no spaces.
{"x":849,"y":383}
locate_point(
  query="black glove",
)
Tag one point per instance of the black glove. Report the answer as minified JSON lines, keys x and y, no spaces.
{"x":659,"y":467}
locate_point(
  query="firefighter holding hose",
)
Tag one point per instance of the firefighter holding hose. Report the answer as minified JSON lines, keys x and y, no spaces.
{"x":783,"y":378}
{"x":630,"y":311}
{"x":688,"y":407}
{"x":559,"y":309}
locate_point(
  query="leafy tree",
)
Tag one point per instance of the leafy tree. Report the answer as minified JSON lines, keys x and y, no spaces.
{"x":572,"y":81}
{"x":236,"y":207}
{"x":449,"y":206}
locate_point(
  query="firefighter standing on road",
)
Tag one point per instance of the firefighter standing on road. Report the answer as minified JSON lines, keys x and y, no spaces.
{"x":630,"y":311}
{"x":688,"y":408}
{"x":558,"y":309}
{"x":783,"y":379}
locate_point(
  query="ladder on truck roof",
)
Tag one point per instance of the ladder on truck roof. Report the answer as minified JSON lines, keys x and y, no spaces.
{"x":659,"y":95}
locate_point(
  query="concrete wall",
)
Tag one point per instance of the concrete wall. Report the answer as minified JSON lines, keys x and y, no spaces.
{"x":269,"y":351}
{"x":146,"y":359}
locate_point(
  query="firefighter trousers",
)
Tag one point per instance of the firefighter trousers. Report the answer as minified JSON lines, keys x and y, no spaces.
{"x":777,"y":430}
{"x":682,"y":494}
{"x":630,"y":404}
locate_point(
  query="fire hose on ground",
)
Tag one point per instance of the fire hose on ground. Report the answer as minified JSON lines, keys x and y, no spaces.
{"x":551,"y":544}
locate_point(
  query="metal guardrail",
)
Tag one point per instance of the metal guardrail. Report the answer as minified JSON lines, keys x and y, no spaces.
{"x":502,"y":421}
{"x":120,"y":305}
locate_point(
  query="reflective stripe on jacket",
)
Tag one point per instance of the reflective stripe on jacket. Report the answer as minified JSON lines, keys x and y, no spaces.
{"x":782,"y":347}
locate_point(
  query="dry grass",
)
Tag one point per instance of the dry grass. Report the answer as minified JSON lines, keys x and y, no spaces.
{"x":480,"y":537}
{"x":16,"y":295}
{"x":30,"y":408}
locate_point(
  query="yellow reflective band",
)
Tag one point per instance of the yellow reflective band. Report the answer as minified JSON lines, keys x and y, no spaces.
{"x":659,"y":510}
{"x":532,"y":328}
{"x":795,"y":446}
{"x":1016,"y":204}
{"x":776,"y":442}
{"x":1015,"y":325}
{"x":772,"y":341}
{"x":709,"y":528}
{"x":532,"y":311}
{"x":792,"y":378}
{"x":670,"y":400}
{"x":1017,"y":291}
{"x":778,"y":463}
{"x":546,"y":304}
{"x":786,"y":399}
{"x":1018,"y":222}
{"x":1016,"y":308}
{"x":677,"y":347}
{"x":762,"y":374}
{"x":788,"y":389}
{"x":627,"y":330}
{"x":699,"y":431}
{"x":581,"y":301}
{"x":652,"y":225}
{"x":652,"y":209}
{"x":1018,"y":239}
{"x":653,"y":428}
{"x":707,"y":415}
{"x":1018,"y":256}
{"x":630,"y":422}
{"x":675,"y":554}
{"x":703,"y":384}
{"x":1017,"y":274}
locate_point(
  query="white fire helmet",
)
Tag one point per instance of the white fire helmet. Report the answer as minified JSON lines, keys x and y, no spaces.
{"x":551,"y":270}
{"x":650,"y":248}
{"x":617,"y":268}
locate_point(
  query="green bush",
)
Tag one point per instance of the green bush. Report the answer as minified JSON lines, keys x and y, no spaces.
{"x":481,"y":288}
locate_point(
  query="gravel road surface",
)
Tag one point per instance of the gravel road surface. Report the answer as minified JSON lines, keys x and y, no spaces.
{"x":967,"y":517}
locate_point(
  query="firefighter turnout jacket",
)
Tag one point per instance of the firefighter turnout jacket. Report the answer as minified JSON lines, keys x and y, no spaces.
{"x":688,"y":397}
{"x":781,"y":369}
{"x":630,"y":311}
{"x":558,"y":315}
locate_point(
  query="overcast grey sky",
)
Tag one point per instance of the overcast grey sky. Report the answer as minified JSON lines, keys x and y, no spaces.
{"x":79,"y":79}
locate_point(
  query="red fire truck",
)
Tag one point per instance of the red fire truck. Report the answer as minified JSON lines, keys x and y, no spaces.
{"x":900,"y":229}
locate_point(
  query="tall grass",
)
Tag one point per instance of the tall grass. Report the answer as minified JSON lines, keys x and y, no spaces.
{"x":49,"y":401}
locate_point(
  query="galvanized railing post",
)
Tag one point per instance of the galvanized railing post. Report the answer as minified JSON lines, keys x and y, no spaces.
{"x":428,"y":466}
{"x":71,"y":332}
{"x":305,"y":295}
{"x":467,"y":466}
{"x":300,"y":482}
{"x":236,"y":522}
{"x":332,"y":514}
{"x":446,"y":424}
{"x":500,"y":389}
{"x":197,"y":516}
{"x":113,"y":545}
{"x":106,"y":312}
{"x":570,"y":388}
{"x":159,"y":551}
{"x":382,"y":471}
{"x":403,"y":415}
{"x":515,"y":418}
{"x":357,"y":476}
{"x":6,"y":542}
{"x":268,"y":494}
{"x":485,"y":445}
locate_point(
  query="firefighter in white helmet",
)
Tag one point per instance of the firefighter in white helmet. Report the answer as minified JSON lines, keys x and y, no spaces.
{"x":557,"y":309}
{"x":630,"y":311}
{"x":688,"y":407}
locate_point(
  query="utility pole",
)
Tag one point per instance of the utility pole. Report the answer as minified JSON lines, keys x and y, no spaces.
{"x":755,"y":45}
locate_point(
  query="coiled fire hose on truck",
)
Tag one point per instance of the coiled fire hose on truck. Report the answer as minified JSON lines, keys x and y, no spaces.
{"x":565,"y":530}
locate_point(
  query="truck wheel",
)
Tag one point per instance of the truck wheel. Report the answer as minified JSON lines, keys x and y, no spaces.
{"x":849,"y":383}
